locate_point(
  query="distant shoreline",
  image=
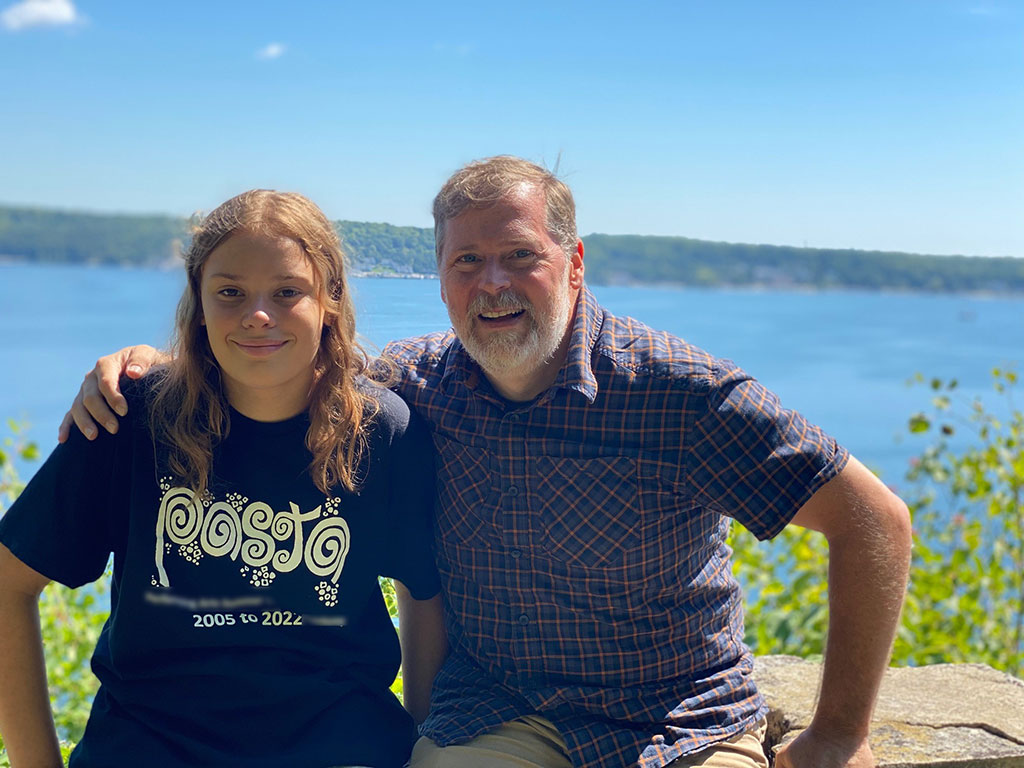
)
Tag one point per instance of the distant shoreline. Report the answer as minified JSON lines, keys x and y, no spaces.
{"x":667,"y":285}
{"x":378,"y":251}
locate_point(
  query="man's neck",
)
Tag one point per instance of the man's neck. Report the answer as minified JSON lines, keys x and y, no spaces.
{"x":524,"y":388}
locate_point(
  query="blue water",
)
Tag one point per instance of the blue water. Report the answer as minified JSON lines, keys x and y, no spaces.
{"x":842,"y":359}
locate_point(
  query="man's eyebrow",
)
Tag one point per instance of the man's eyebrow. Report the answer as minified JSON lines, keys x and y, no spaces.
{"x":519,"y":241}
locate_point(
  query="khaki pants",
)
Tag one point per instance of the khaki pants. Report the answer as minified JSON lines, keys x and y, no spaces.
{"x":533,"y":742}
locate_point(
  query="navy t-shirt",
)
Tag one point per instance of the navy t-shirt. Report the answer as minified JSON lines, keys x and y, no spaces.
{"x":247,"y":627}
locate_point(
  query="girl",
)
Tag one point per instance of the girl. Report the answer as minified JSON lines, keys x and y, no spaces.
{"x":251,"y":498}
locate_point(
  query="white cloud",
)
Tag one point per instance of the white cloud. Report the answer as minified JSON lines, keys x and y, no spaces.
{"x":39,"y":13}
{"x":272,"y":51}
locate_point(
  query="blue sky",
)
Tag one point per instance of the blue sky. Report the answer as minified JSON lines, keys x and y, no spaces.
{"x":891,"y":125}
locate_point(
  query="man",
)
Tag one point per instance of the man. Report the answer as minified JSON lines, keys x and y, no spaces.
{"x":588,"y":469}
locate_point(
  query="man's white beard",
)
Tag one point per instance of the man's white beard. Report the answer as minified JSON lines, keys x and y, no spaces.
{"x":513,"y":351}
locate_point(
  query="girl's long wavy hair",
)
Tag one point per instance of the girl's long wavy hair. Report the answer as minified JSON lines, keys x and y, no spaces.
{"x":189,"y":406}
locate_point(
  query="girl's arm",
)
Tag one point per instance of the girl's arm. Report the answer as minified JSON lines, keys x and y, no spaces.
{"x":424,"y":646}
{"x":26,"y":721}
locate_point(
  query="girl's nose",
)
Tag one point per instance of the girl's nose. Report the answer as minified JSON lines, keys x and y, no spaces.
{"x":258,"y":316}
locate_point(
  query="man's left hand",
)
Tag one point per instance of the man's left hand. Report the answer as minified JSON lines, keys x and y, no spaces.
{"x":813,"y":750}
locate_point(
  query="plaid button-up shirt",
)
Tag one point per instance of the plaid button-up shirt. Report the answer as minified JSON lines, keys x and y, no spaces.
{"x":581,"y":537}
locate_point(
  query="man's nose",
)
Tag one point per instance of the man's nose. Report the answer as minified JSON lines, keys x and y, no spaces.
{"x":494,"y":277}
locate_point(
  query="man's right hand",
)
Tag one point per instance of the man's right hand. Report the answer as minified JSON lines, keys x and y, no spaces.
{"x":99,"y":397}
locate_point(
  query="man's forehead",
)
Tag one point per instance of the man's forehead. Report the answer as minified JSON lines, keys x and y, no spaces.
{"x":507,"y":234}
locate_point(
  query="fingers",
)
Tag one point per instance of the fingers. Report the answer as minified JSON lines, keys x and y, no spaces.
{"x":65,"y":427}
{"x":98,"y":395}
{"x":100,"y":398}
{"x":100,"y":388}
{"x":140,"y":359}
{"x":89,"y":405}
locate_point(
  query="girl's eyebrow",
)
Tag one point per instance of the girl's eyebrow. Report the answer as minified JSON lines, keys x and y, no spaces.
{"x":230,"y":276}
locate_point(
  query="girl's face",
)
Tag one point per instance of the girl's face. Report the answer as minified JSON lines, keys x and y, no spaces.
{"x":263,"y":318}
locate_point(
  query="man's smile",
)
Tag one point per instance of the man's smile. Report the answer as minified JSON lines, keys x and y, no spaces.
{"x":498,"y":316}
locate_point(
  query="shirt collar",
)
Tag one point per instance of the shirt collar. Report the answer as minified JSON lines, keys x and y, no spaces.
{"x":459,"y":366}
{"x":575,"y":373}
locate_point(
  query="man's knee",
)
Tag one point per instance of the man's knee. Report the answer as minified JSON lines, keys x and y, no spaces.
{"x":742,"y":751}
{"x":530,"y":742}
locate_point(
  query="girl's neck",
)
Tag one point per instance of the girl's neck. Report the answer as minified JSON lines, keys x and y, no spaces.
{"x":266,"y":404}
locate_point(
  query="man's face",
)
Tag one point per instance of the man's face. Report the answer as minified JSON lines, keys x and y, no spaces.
{"x":509,"y":288}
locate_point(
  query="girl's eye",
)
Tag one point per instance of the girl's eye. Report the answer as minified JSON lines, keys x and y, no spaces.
{"x":289,"y":293}
{"x":229,"y":293}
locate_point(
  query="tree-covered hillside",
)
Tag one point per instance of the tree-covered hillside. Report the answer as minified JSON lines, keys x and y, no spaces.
{"x":34,"y":234}
{"x":659,"y":260}
{"x":84,"y":238}
{"x":386,"y":248}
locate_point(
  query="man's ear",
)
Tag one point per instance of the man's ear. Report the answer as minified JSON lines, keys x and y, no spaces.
{"x":576,"y":267}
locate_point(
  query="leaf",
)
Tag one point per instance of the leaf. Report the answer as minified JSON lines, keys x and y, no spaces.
{"x":919,"y":423}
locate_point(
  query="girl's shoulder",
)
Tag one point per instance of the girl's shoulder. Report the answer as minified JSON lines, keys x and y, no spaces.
{"x":393,"y":417}
{"x":140,"y":394}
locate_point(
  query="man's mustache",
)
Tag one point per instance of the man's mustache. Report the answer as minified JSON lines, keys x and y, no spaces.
{"x":505,"y":300}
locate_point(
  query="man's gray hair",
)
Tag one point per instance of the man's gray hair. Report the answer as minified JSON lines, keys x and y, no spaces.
{"x":482,"y":183}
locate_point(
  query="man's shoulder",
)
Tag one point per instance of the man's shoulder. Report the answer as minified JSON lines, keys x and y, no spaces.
{"x":420,"y":358}
{"x":634,"y":348}
{"x":420,"y":350}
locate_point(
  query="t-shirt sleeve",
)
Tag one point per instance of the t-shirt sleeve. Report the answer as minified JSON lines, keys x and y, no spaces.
{"x":754,"y":460}
{"x":60,"y":524}
{"x":411,"y":497}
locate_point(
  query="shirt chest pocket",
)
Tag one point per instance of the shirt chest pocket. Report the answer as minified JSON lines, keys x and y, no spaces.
{"x":586,"y":511}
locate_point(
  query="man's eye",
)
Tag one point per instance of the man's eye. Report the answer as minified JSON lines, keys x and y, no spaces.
{"x":522,"y":253}
{"x":467,"y":258}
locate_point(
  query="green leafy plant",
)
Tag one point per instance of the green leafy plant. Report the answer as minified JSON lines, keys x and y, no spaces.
{"x":965,"y":601}
{"x":785,"y":584}
{"x":14,"y":444}
{"x":966,"y":495}
{"x":387,"y":588}
{"x":70,"y":620}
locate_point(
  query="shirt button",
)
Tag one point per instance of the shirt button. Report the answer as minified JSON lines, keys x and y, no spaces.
{"x":516,"y":554}
{"x":523,"y":619}
{"x":512,"y":491}
{"x":513,"y":417}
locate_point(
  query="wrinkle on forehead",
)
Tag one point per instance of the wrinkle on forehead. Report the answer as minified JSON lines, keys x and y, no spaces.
{"x":518,"y":226}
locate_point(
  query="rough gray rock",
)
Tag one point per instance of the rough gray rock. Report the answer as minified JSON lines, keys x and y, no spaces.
{"x":939,"y":716}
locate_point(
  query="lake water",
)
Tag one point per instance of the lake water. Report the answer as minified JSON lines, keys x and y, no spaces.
{"x":842,"y":359}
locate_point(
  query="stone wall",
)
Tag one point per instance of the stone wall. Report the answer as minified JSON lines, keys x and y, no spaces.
{"x":939,"y":716}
